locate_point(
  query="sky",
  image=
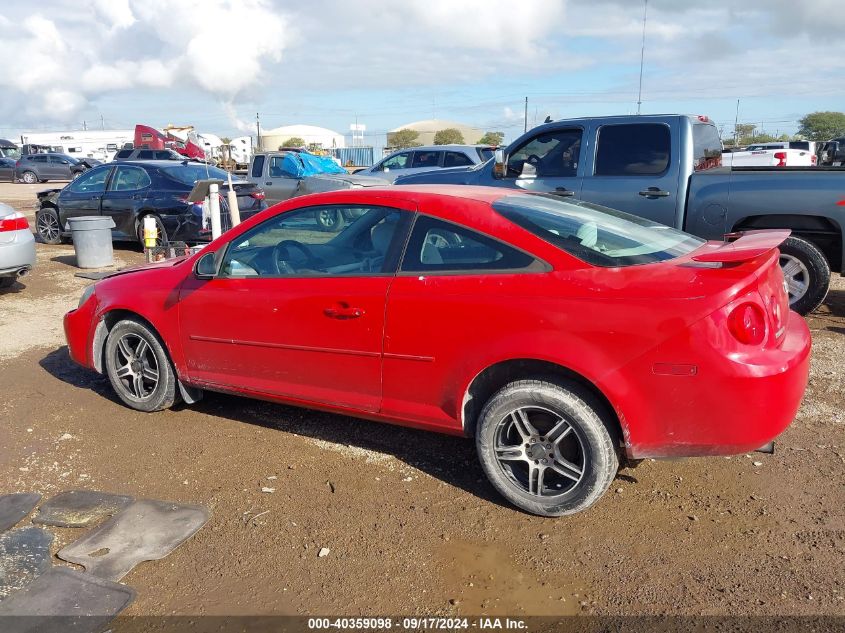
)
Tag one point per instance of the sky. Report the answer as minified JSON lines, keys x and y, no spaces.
{"x":216,"y":63}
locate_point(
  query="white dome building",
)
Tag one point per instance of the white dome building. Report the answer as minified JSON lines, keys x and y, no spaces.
{"x":271,"y":139}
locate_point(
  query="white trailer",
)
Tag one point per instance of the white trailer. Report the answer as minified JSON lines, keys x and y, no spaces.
{"x":99,"y":144}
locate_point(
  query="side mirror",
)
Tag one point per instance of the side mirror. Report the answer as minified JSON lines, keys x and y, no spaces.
{"x":206,"y":266}
{"x":500,"y":165}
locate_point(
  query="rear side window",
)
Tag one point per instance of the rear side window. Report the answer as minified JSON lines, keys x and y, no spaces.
{"x":632,"y":150}
{"x":39,"y":159}
{"x":436,"y":245}
{"x":129,"y":179}
{"x":257,"y":166}
{"x":456,"y":159}
{"x":597,"y":235}
{"x":145,"y":154}
{"x":124,"y":153}
{"x":426,"y":159}
{"x":706,"y":147}
{"x":163,"y":155}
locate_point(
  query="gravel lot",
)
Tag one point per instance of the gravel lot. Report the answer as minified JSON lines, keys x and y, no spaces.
{"x":410,"y":523}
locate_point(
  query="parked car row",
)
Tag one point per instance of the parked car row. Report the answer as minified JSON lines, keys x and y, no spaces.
{"x":128,"y":191}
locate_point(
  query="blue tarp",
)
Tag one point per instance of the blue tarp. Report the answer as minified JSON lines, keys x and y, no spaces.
{"x":299,"y":165}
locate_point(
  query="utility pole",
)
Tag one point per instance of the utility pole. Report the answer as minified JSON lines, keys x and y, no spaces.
{"x":736,"y":125}
{"x":526,"y":115}
{"x":84,"y":126}
{"x":102,"y":122}
{"x":257,"y":131}
{"x":642,"y":58}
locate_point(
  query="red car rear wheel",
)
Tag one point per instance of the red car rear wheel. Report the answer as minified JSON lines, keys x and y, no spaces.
{"x":547,"y":448}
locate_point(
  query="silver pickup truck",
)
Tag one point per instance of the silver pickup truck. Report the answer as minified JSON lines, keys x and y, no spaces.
{"x":667,"y":168}
{"x":281,"y":175}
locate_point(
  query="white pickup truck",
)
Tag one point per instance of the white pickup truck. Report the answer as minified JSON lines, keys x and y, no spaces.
{"x":778,"y":154}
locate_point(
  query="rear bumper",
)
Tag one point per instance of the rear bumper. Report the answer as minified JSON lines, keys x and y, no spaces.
{"x":727,"y":405}
{"x":17,"y":254}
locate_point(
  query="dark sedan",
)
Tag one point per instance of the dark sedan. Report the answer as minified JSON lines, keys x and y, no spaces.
{"x":129,"y":191}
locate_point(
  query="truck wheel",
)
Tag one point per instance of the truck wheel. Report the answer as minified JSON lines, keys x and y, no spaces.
{"x":547,"y":447}
{"x":328,"y":219}
{"x":806,"y":272}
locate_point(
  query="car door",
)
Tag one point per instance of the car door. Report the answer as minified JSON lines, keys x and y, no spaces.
{"x":394,"y":166}
{"x":126,"y":192}
{"x":59,"y":168}
{"x":635,"y":171}
{"x":297,"y":312}
{"x":551,"y":162}
{"x":7,"y":169}
{"x":454,"y":290}
{"x":279,"y":184}
{"x":38,"y":163}
{"x":84,"y":195}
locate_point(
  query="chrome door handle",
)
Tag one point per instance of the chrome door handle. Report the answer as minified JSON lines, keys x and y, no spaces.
{"x":563,"y":192}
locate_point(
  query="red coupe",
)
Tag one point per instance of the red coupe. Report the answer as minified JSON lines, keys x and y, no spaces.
{"x":563,"y":336}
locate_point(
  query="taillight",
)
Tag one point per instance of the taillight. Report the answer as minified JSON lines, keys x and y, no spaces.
{"x":747,"y":323}
{"x":781,"y":156}
{"x":258,"y":195}
{"x":814,"y":159}
{"x":14,"y":222}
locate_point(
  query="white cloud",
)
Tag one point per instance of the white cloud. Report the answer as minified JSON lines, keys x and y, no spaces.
{"x":54,"y":66}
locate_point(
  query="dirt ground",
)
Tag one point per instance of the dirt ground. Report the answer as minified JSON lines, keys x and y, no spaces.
{"x":411,"y":524}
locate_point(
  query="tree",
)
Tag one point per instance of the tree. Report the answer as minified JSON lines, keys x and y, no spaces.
{"x":403,"y":138}
{"x":448,"y":136}
{"x":492,"y":138}
{"x":822,"y":126}
{"x":744,"y":131}
{"x":293,"y":141}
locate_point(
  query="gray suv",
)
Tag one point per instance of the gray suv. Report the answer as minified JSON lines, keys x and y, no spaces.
{"x":34,"y":168}
{"x":427,"y":158}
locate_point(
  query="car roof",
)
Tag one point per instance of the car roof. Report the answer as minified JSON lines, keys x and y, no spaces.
{"x":420,"y":195}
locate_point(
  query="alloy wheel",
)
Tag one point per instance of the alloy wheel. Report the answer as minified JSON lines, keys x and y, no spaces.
{"x":48,"y":228}
{"x":136,"y":366}
{"x":796,"y":275}
{"x":539,"y":451}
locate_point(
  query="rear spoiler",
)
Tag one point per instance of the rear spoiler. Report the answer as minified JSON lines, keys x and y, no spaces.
{"x":742,"y":246}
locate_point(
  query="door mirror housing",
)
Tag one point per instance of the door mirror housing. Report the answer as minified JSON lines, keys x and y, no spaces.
{"x":206,"y":266}
{"x":500,"y":164}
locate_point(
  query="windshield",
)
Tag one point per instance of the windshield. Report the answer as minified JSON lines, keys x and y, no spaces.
{"x":595,"y":234}
{"x":486,"y":153}
{"x":10,"y":152}
{"x":189,"y":174}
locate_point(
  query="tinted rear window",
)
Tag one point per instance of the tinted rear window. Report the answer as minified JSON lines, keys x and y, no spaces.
{"x":706,"y":147}
{"x":631,"y":150}
{"x":597,"y":235}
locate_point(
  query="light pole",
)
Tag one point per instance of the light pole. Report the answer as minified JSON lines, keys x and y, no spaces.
{"x":642,"y":58}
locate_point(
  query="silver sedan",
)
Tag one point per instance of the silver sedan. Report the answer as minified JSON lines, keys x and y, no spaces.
{"x":17,"y":246}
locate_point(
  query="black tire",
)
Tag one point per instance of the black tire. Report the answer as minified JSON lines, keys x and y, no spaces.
{"x":7,"y":282}
{"x":802,"y":260}
{"x":47,"y":225}
{"x":29,"y":177}
{"x":580,"y":445}
{"x":328,"y":219}
{"x":139,"y":367}
{"x":162,"y":232}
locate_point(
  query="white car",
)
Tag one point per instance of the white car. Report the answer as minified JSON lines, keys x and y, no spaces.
{"x":17,"y":246}
{"x":761,"y":156}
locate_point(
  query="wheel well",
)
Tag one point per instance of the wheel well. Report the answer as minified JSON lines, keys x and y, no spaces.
{"x":823,"y":232}
{"x":109,"y":320}
{"x":492,"y":379}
